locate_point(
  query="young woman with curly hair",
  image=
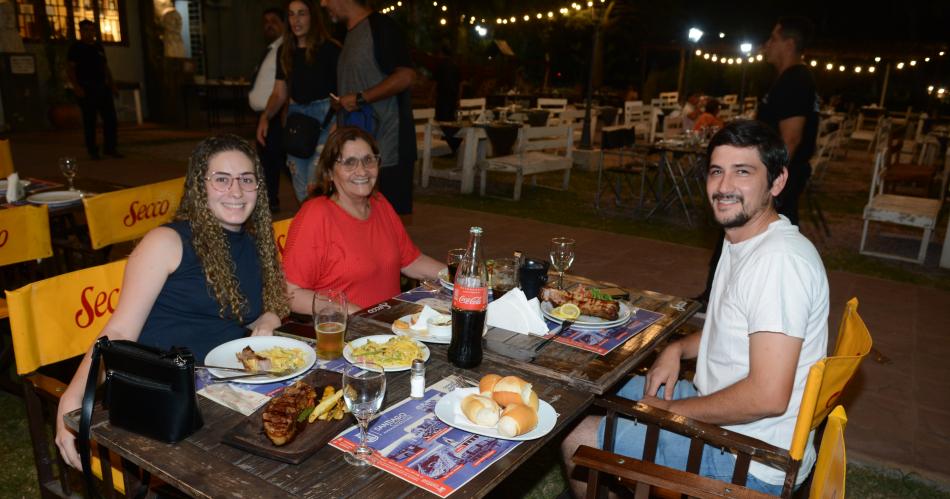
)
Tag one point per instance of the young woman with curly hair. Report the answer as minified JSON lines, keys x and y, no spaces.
{"x":204,"y":279}
{"x":306,"y":73}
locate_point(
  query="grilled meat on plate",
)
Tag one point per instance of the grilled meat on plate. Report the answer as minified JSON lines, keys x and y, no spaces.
{"x":582,"y":297}
{"x":252,"y":361}
{"x":280,"y":416}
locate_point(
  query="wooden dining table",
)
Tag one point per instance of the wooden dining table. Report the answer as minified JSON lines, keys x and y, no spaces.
{"x":567,"y":378}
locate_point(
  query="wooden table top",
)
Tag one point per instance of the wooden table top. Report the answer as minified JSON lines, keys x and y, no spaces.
{"x":565,"y":377}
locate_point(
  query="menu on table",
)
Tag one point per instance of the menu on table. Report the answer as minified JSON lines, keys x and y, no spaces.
{"x":602,"y":341}
{"x":416,"y":446}
{"x":440,"y":299}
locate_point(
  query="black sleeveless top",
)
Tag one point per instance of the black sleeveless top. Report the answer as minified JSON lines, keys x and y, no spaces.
{"x":185,"y":313}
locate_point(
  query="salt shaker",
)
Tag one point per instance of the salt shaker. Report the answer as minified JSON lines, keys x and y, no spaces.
{"x":417,"y":379}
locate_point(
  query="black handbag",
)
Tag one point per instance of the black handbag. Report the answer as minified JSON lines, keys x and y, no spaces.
{"x":302,"y":134}
{"x":147,"y":391}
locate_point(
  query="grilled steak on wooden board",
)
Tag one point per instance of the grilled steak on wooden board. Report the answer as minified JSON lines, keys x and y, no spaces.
{"x":280,"y":416}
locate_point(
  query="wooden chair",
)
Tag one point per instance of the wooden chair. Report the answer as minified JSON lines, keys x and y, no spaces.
{"x":669,"y":99}
{"x":641,"y":118}
{"x":826,"y":380}
{"x":555,"y":107}
{"x":471,"y":108}
{"x":53,"y":321}
{"x":908,"y":211}
{"x":429,"y":141}
{"x":539,"y":151}
{"x":819,"y":165}
{"x":868,"y":126}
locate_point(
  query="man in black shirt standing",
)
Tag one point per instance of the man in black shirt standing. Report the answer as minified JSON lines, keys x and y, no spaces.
{"x":88,"y":71}
{"x":791,"y":106}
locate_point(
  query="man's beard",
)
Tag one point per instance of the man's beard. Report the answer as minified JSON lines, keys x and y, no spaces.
{"x":741,"y":218}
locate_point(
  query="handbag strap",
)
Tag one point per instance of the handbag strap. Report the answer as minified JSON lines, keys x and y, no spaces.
{"x":85,"y":417}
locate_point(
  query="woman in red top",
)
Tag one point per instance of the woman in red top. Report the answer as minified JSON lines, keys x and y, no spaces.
{"x":347,"y":236}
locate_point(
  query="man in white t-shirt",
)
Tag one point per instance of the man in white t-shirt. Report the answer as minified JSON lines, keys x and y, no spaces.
{"x":272,"y":155}
{"x":767,"y":323}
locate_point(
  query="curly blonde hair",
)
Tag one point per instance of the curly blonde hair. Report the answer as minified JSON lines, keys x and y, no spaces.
{"x":211,"y":243}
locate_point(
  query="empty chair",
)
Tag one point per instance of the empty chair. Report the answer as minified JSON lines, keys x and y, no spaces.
{"x":575,"y":118}
{"x":641,"y":118}
{"x":128,"y":214}
{"x":867,"y":128}
{"x":540,"y":150}
{"x":669,"y":99}
{"x":471,"y":108}
{"x":555,"y":107}
{"x":729,"y":99}
{"x":429,"y":141}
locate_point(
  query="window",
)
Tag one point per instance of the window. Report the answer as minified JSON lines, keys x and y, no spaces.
{"x":64,"y":16}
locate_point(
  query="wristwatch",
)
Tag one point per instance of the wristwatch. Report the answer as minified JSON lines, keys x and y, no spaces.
{"x":359,"y":99}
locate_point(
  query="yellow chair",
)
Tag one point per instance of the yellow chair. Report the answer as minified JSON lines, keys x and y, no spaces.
{"x":24,"y":236}
{"x":826,"y":381}
{"x":831,"y":467}
{"x":51,"y":321}
{"x":128,"y":214}
{"x":281,"y":228}
{"x":6,"y":159}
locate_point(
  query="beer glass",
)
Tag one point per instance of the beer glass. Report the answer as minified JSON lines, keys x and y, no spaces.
{"x":329,"y":322}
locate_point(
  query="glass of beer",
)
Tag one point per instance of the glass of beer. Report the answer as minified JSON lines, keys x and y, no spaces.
{"x":329,"y":322}
{"x":452,"y":259}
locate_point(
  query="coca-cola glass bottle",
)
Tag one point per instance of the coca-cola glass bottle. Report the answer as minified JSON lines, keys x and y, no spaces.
{"x":469,"y":302}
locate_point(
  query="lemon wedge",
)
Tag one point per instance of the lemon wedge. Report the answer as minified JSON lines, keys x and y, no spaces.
{"x":567,"y":311}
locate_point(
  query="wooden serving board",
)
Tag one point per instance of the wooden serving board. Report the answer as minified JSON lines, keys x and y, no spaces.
{"x":249,"y":433}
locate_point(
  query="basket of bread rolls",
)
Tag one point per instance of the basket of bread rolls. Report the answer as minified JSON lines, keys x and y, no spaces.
{"x":507,"y":403}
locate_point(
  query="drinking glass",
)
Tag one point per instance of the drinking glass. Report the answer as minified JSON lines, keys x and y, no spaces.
{"x":452,"y":259}
{"x":504,"y":276}
{"x":329,"y":322}
{"x":70,"y":168}
{"x":562,"y":256}
{"x":364,"y":387}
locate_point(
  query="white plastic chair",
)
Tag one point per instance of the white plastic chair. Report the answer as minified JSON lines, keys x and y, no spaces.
{"x":429,"y":141}
{"x":540,"y":150}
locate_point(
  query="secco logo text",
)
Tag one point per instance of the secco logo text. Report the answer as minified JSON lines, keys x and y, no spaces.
{"x":4,"y":236}
{"x":143,"y":211}
{"x":94,"y":305}
{"x":281,"y":243}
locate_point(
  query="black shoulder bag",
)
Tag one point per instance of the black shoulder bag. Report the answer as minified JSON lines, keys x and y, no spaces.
{"x":147,"y":391}
{"x":302,"y":134}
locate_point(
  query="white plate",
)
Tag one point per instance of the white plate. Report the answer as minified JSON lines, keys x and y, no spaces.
{"x":55,"y":197}
{"x":3,"y":184}
{"x":419,"y":335}
{"x":224,"y":355}
{"x":444,"y":279}
{"x":449,"y":411}
{"x":587,"y":321}
{"x":379,"y":338}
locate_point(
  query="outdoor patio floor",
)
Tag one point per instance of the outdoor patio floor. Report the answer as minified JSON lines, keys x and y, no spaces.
{"x":898,"y":405}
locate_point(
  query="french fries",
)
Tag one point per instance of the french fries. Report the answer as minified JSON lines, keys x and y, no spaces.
{"x":331,"y":406}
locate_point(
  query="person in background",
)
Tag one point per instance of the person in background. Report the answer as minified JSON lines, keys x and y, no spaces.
{"x":692,"y":109}
{"x":767,"y":324}
{"x":709,"y":118}
{"x":376,"y":69}
{"x":202,"y":280}
{"x":271,"y":152}
{"x":348,"y":237}
{"x":88,"y":73}
{"x":306,"y":74}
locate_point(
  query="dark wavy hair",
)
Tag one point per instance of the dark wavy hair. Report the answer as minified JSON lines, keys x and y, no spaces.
{"x":331,"y":153}
{"x":211,"y":243}
{"x":316,"y":36}
{"x":752,"y":133}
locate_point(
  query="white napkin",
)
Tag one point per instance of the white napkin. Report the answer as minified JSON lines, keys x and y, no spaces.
{"x":515,"y":313}
{"x":13,"y":187}
{"x":422,"y":323}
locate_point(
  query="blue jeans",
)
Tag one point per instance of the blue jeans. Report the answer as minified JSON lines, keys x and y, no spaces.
{"x":302,"y":170}
{"x":673,"y":449}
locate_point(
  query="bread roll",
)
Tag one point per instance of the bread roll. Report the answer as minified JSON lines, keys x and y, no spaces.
{"x":514,"y":390}
{"x":487,"y":384}
{"x":517,"y":419}
{"x":480,"y":410}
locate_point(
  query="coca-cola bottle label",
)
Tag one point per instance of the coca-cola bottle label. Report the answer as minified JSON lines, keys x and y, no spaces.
{"x":469,"y":298}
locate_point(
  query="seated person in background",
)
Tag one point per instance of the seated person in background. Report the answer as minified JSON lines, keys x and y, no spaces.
{"x":766,"y":324}
{"x":204,"y":279}
{"x":692,"y":109}
{"x":709,"y":117}
{"x":347,"y":236}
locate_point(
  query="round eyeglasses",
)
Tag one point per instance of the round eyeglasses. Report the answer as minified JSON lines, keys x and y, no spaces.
{"x":222,"y":182}
{"x":350,"y":164}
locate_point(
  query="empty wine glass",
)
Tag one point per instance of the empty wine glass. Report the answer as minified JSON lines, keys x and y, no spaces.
{"x":562,"y":256}
{"x":364,"y":387}
{"x":70,"y":168}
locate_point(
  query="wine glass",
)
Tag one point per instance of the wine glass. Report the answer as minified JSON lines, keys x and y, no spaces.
{"x":69,"y":167}
{"x":364,"y":387}
{"x":562,"y":256}
{"x":329,"y":322}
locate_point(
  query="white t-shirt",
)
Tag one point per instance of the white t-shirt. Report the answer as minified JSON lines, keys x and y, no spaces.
{"x":264,"y":81}
{"x":773,"y":282}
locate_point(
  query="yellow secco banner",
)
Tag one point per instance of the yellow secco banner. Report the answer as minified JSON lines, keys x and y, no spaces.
{"x":128,"y":214}
{"x":6,"y":159}
{"x":24,"y":234}
{"x":281,"y":228}
{"x":59,"y":318}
